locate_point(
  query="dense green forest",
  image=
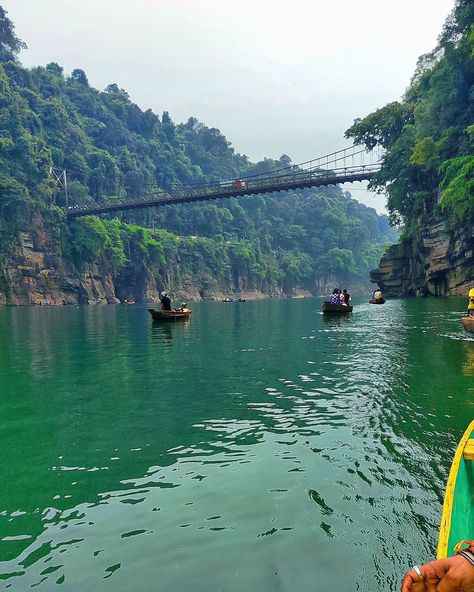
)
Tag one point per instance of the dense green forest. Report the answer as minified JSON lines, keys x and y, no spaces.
{"x":428,"y":137}
{"x":111,"y":148}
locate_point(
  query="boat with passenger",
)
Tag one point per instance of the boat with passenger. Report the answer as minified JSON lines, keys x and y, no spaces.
{"x":377,"y":297}
{"x":457,"y":520}
{"x":468,"y":320}
{"x":329,"y":308}
{"x":468,"y":324}
{"x":177,"y":314}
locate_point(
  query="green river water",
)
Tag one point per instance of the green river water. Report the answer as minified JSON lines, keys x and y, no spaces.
{"x":259,"y":447}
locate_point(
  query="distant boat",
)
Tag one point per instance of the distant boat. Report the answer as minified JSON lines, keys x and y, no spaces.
{"x":377,"y":301}
{"x":468,"y":324}
{"x":228,"y":299}
{"x":457,"y":519}
{"x":129,"y":301}
{"x":169,"y":315}
{"x":329,"y":308}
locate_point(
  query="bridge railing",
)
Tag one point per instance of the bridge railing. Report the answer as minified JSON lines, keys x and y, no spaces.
{"x":284,"y":178}
{"x":282,"y":182}
{"x":352,"y":157}
{"x":336,"y":167}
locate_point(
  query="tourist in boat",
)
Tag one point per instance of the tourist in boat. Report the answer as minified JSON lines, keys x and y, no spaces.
{"x":165,"y":301}
{"x":470,"y":306}
{"x":377,"y":295}
{"x":345,"y":297}
{"x":453,"y":574}
{"x":335,"y":296}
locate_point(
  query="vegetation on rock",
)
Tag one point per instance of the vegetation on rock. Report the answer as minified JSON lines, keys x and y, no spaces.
{"x":112,"y":149}
{"x":428,"y":137}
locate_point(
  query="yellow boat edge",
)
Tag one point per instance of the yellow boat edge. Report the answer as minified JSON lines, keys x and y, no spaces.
{"x":445,"y":526}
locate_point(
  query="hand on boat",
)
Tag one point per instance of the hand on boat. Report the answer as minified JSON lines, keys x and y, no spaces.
{"x":453,"y":574}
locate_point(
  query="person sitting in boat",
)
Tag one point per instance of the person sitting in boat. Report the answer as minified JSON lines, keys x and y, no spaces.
{"x":345,"y":297}
{"x":183,"y":307}
{"x":470,"y":306}
{"x":335,"y":296}
{"x":165,"y":301}
{"x":377,"y":295}
{"x":453,"y":574}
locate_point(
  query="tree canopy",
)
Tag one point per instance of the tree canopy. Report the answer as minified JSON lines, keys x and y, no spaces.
{"x":10,"y":45}
{"x":428,"y":137}
{"x":113,"y":149}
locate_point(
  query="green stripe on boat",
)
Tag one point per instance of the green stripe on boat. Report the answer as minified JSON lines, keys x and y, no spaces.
{"x":457,"y":520}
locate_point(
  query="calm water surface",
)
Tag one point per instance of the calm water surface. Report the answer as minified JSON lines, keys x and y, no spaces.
{"x":261,"y":446}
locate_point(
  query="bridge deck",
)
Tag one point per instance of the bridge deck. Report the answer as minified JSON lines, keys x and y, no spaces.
{"x":253,"y":186}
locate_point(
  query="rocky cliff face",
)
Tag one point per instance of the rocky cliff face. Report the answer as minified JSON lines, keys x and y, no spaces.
{"x":437,"y":263}
{"x":37,"y":274}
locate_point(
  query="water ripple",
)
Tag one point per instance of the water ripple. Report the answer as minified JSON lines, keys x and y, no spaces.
{"x":268,"y":436}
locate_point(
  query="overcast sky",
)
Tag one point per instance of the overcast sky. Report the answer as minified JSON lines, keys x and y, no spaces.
{"x":275,"y":77}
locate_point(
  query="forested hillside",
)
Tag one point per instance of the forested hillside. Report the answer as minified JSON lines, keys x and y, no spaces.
{"x":428,"y":167}
{"x":111,"y":148}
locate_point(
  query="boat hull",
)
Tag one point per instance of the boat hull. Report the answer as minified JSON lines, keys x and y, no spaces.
{"x":169,"y":315}
{"x":329,"y":308}
{"x":379,"y":301}
{"x":468,"y":324}
{"x":457,"y":520}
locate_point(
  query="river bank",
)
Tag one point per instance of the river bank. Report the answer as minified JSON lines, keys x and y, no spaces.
{"x":37,"y":275}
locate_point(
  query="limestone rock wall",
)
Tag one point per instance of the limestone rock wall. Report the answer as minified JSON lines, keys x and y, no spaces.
{"x":95,"y":287}
{"x":37,"y":274}
{"x":438,"y":263}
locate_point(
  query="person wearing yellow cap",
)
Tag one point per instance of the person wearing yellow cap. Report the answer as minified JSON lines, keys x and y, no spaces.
{"x":470,"y":306}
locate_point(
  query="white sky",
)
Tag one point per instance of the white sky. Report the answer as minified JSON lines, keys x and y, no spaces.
{"x":275,"y":77}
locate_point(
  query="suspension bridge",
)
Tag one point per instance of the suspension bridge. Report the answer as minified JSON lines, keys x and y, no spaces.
{"x":343,"y":166}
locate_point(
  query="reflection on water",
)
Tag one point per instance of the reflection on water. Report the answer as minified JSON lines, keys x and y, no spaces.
{"x":245,"y":450}
{"x":468,"y":366}
{"x":164,"y":331}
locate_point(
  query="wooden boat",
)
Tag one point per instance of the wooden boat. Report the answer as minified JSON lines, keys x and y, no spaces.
{"x":329,"y":308}
{"x":170,"y":315}
{"x":468,"y":324}
{"x":129,"y":301}
{"x":379,"y":301}
{"x":457,"y":520}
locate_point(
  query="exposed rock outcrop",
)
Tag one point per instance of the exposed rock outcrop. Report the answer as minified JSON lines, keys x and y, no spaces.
{"x":439,"y":262}
{"x":37,"y":274}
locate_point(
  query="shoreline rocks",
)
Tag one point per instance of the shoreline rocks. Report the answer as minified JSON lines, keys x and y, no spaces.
{"x":437,"y":263}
